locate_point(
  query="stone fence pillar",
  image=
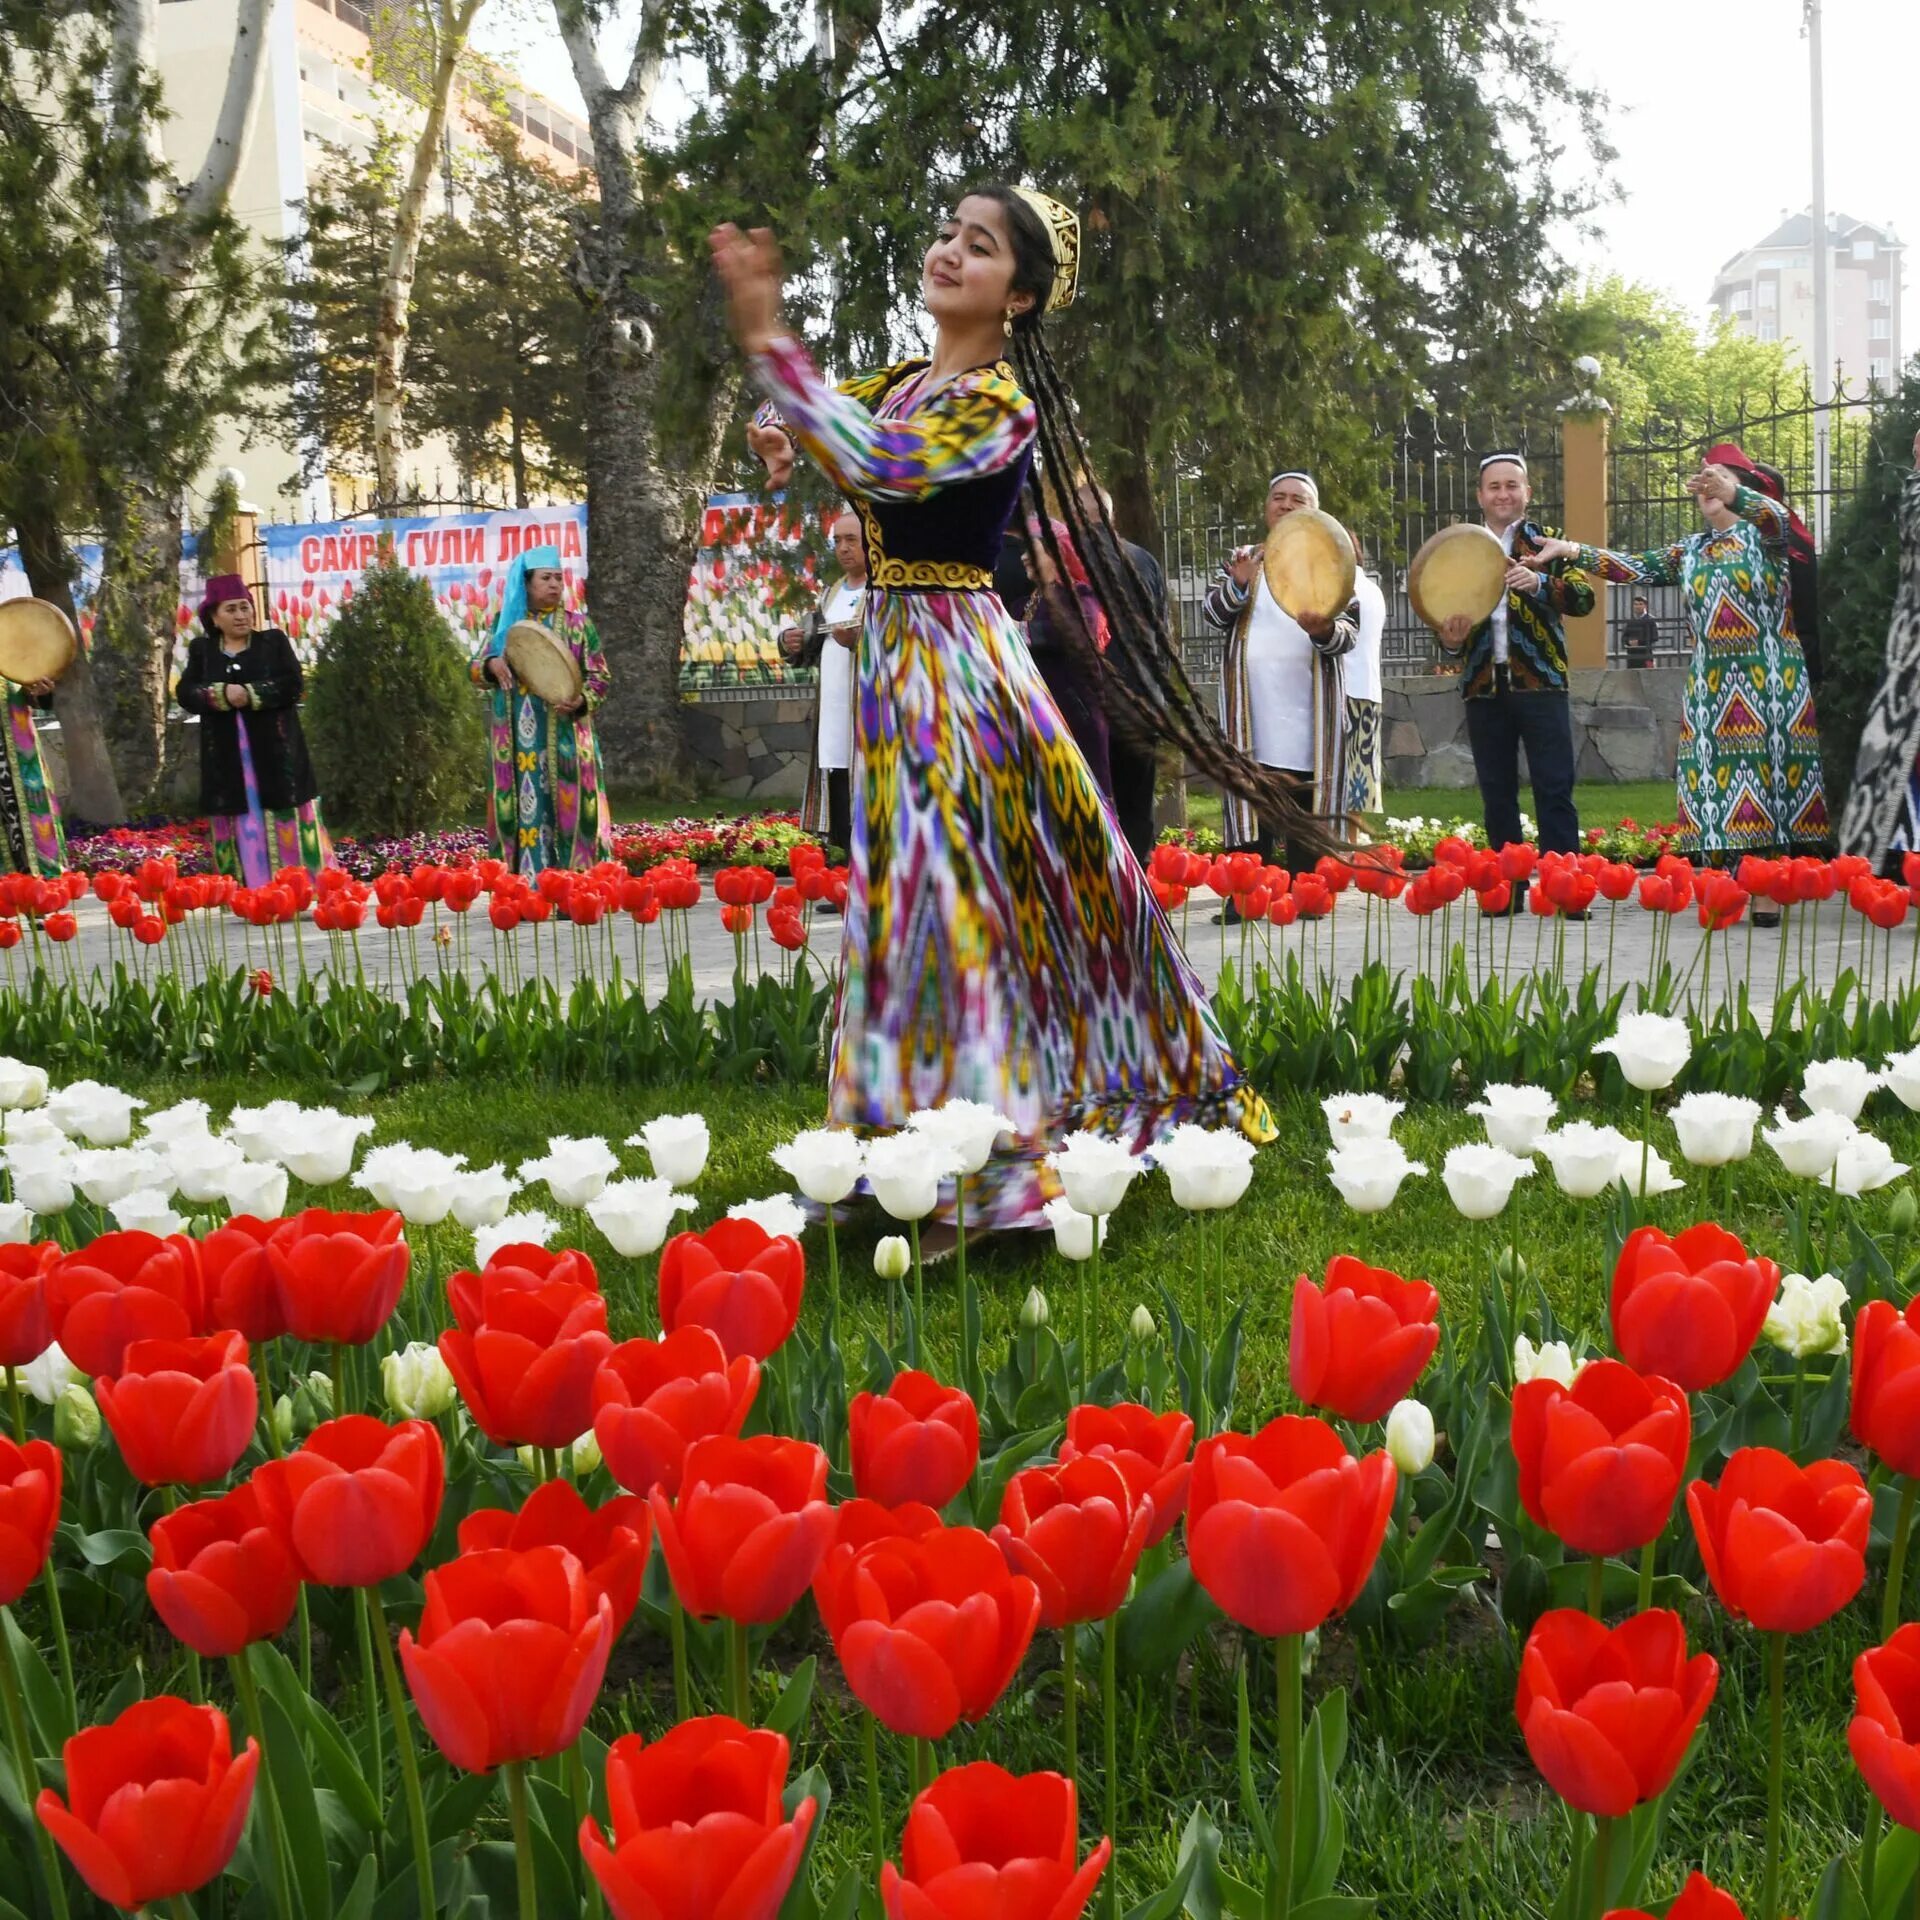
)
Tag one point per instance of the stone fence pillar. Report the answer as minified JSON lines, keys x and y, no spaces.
{"x":1583,"y":468}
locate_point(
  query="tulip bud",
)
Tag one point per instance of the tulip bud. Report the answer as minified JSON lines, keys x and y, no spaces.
{"x":586,"y":1456}
{"x":1902,"y":1211}
{"x":1034,"y":1313}
{"x":1552,"y":1360}
{"x":1510,"y":1267}
{"x":892,"y":1257}
{"x":312,"y":1402}
{"x":283,"y":1422}
{"x":1140,"y":1327}
{"x":76,"y":1420}
{"x":417,"y":1382}
{"x":1410,"y":1437}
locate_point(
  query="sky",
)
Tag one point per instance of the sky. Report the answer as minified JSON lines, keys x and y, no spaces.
{"x":1709,"y":108}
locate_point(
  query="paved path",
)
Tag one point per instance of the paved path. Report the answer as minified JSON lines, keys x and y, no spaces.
{"x":1812,"y":949}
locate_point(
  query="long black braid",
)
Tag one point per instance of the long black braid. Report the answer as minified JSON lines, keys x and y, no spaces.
{"x":1145,"y":688}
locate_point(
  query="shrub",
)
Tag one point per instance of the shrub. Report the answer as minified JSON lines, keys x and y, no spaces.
{"x":395,"y":726}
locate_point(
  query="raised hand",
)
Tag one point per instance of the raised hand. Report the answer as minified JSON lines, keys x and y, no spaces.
{"x":1714,"y":482}
{"x":749,"y":268}
{"x":1546,"y":551}
{"x":1454,"y":631}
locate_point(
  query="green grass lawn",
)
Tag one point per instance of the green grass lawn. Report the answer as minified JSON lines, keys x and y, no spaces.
{"x":1650,"y":802}
{"x":1446,"y":1818}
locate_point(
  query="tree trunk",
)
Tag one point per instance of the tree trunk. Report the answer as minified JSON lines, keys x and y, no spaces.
{"x":93,"y":794}
{"x":133,"y":634}
{"x":453,"y":21}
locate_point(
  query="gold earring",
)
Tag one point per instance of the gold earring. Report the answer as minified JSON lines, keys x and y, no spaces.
{"x":1006,"y":325}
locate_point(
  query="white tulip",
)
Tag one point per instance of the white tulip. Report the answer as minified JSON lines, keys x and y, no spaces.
{"x":20,"y":1084}
{"x":1808,"y":1147}
{"x":905,"y":1170}
{"x":320,"y":1153}
{"x":1516,"y":1117}
{"x":16,"y":1224}
{"x":1095,"y":1170}
{"x":1360,"y":1116}
{"x":482,"y":1196}
{"x":145,"y":1211}
{"x":42,"y":1177}
{"x":417,"y":1182}
{"x":1809,"y":1316}
{"x":31,"y":1129}
{"x":259,"y":1131}
{"x":1368,"y":1172}
{"x":1585,"y":1158}
{"x":1865,"y":1164}
{"x":892,"y":1257}
{"x":586,"y":1456}
{"x":966,"y":1130}
{"x":106,"y":1174}
{"x":1644,"y":1172}
{"x":779,"y":1214}
{"x":49,"y":1376}
{"x":1480,"y":1179}
{"x":1901,"y":1077}
{"x":1715,"y":1129}
{"x":1034,"y":1311}
{"x":202,"y":1167}
{"x":256,"y":1187}
{"x":528,"y":1229}
{"x":574,"y":1170}
{"x":1651,"y":1049}
{"x":1073,"y":1231}
{"x":1838,"y":1086}
{"x":677,"y":1144}
{"x":417,"y":1382}
{"x":100,"y":1115}
{"x":1410,"y":1437}
{"x":824,"y":1163}
{"x":1209,"y":1168}
{"x":1551,"y":1360}
{"x":637,"y":1215}
{"x":184,"y":1120}
{"x":1140,"y":1327}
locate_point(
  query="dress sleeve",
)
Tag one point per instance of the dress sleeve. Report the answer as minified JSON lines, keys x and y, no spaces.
{"x":1343,"y":637}
{"x":193,"y":692}
{"x":1223,"y":602}
{"x":1659,"y":566}
{"x":283,"y":686}
{"x":1569,"y":592}
{"x":977,"y":425}
{"x":1767,"y":517}
{"x":596,"y":682}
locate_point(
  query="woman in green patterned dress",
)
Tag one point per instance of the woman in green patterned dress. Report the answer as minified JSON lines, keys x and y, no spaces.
{"x":1749,"y":776}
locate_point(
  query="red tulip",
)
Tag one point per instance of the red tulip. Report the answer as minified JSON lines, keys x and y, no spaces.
{"x":242,"y":1291}
{"x":929,"y":1629}
{"x":610,"y":1542}
{"x":1785,"y":1546}
{"x":737,"y":1279}
{"x":1601,"y":1461}
{"x":749,"y":1528}
{"x":1689,"y":1308}
{"x":652,"y":1399}
{"x":119,"y":1288}
{"x":359,"y":1500}
{"x":526,"y":1368}
{"x":1359,"y":1345}
{"x":26,"y":1330}
{"x":29,"y":1512}
{"x":221,"y":1577}
{"x":859,"y":1523}
{"x":1608,"y":1713}
{"x":511,"y":1653}
{"x":982,"y":1842}
{"x":1284,"y":1525}
{"x":156,"y":1801}
{"x":182,"y":1411}
{"x":698,"y":1828}
{"x":1699,"y":1899}
{"x":1078,"y":1533}
{"x":522,"y":1268}
{"x":340,"y":1275}
{"x":1885,"y":1731}
{"x":1885,"y":1414}
{"x":1150,"y":1449}
{"x":919,"y":1440}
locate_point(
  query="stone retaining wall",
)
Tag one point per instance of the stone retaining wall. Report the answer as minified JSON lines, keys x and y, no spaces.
{"x":753,"y":750}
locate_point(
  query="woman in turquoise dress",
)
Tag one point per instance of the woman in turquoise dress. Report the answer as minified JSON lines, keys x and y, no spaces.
{"x":1001,"y":943}
{"x":547,"y":799}
{"x":1749,"y":777}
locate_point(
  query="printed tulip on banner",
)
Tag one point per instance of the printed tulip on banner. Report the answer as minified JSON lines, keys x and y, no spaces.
{"x":29,"y":1512}
{"x":182,"y":1411}
{"x":1077,"y":1532}
{"x":120,"y":1288}
{"x":526,"y":1364}
{"x":1689,"y":1307}
{"x":920,"y":1440}
{"x":698,"y":1825}
{"x":982,"y":1841}
{"x":610,"y":1542}
{"x":1601,"y":1460}
{"x":510,"y":1656}
{"x":737,"y":1280}
{"x":358,"y":1501}
{"x":222,"y":1577}
{"x":1785,"y":1546}
{"x":652,"y":1399}
{"x":1152,"y":1451}
{"x":1608,"y":1713}
{"x":1359,"y":1342}
{"x":156,"y":1802}
{"x":929,"y":1627}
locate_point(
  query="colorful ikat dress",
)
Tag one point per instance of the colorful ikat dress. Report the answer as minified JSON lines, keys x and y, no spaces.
{"x":1001,"y":944}
{"x":1749,"y":776}
{"x":31,"y":840}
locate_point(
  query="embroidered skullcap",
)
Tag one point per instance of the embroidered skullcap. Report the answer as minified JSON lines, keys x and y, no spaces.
{"x":1511,"y":457}
{"x":1063,"y":235}
{"x":1295,"y":473}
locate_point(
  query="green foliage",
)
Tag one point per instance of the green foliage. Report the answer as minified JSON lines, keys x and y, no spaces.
{"x":392,"y":719}
{"x":1859,"y":575}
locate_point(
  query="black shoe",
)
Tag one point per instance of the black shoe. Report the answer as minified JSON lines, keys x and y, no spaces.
{"x":1578,"y":913}
{"x":827,"y":910}
{"x":1770,"y":918}
{"x":1228,"y":916}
